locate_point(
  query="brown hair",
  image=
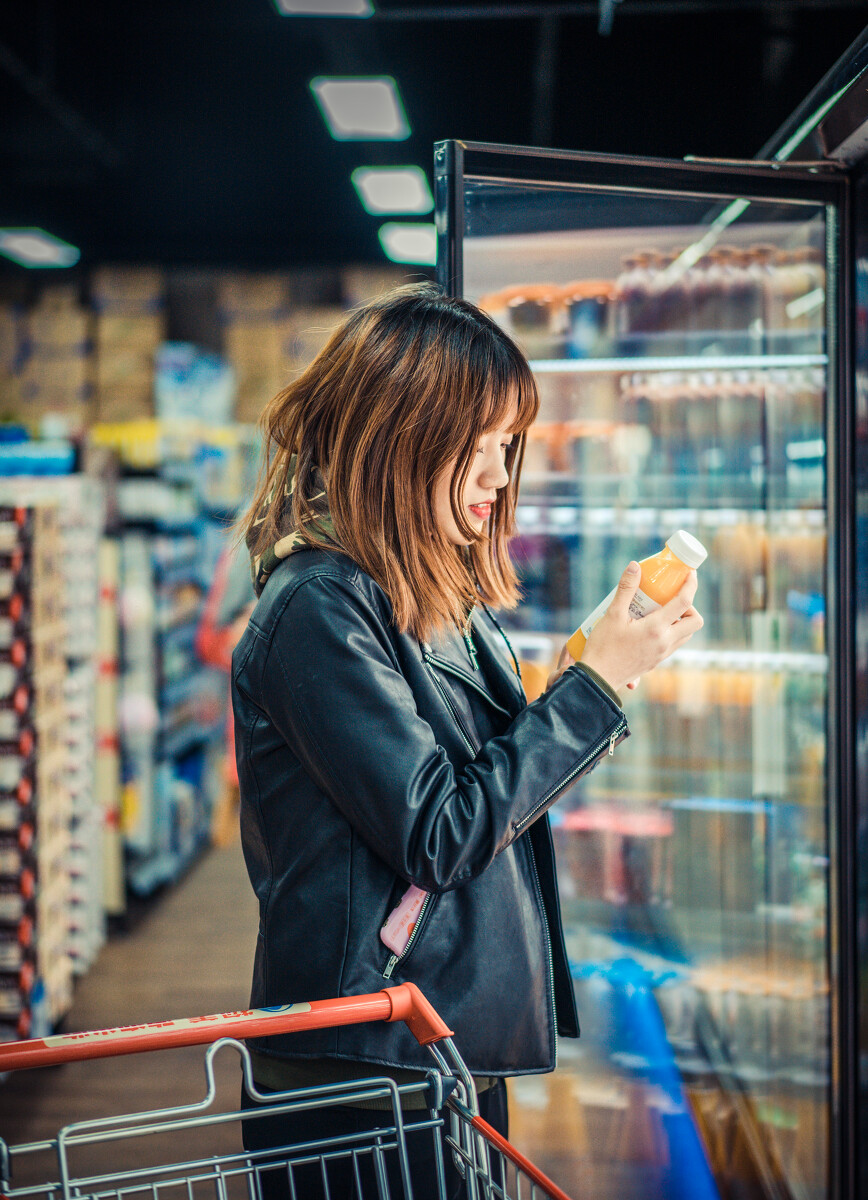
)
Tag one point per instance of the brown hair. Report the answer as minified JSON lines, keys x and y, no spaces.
{"x":402,"y":390}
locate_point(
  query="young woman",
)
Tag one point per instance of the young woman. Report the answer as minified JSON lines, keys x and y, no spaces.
{"x":383,"y":737}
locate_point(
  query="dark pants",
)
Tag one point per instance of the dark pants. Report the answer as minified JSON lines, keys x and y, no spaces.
{"x":292,"y":1128}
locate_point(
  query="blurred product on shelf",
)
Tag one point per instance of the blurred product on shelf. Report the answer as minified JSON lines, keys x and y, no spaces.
{"x":81,"y":519}
{"x":749,"y":300}
{"x":129,"y":324}
{"x":533,"y":314}
{"x":252,"y":311}
{"x":35,"y":808}
{"x":107,"y":766}
{"x":56,"y":365}
{"x":587,"y":318}
{"x":172,"y":709}
{"x":192,"y":384}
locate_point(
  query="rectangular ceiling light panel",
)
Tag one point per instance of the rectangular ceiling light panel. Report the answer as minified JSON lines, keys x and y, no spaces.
{"x":36,"y":248}
{"x":361,"y":108}
{"x":324,"y":8}
{"x":409,"y":242}
{"x":393,"y":189}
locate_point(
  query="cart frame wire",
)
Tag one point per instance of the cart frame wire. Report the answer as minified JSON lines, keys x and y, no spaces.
{"x":491,"y":1167}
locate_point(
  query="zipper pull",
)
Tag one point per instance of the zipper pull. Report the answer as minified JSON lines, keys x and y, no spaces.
{"x":390,"y":966}
{"x":471,"y":650}
{"x":612,"y":741}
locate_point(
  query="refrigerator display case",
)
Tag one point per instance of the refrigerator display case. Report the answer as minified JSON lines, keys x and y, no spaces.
{"x":688,"y":324}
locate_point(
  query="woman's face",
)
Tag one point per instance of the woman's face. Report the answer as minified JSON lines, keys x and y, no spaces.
{"x":488,"y":475}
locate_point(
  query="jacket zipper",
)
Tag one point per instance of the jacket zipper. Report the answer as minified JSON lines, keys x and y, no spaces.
{"x":610,"y":739}
{"x":399,"y":958}
{"x":548,"y":937}
{"x":452,"y":709}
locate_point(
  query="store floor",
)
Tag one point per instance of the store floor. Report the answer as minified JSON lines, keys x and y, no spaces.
{"x":189,"y":955}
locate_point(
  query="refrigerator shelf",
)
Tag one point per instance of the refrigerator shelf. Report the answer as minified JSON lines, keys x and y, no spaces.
{"x":776,"y":661}
{"x":696,"y":362}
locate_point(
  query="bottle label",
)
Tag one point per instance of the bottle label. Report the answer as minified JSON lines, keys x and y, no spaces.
{"x":640,"y":606}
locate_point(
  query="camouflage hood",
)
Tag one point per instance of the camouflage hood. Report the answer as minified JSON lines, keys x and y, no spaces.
{"x":290,"y":540}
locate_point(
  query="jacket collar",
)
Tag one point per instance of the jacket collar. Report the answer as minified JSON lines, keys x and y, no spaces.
{"x":495,"y":677}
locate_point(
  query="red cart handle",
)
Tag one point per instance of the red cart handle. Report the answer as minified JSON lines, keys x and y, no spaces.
{"x":403,"y":1003}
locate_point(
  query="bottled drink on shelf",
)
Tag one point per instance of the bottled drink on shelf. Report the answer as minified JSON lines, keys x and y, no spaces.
{"x":587,"y":314}
{"x":533,"y":314}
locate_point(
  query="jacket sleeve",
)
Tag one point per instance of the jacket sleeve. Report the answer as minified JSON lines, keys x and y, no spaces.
{"x":333,"y":689}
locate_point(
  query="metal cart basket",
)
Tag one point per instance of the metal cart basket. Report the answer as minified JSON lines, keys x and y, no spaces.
{"x":376,"y":1162}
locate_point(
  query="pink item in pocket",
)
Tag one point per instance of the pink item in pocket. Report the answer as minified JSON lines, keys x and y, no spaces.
{"x":401,"y":921}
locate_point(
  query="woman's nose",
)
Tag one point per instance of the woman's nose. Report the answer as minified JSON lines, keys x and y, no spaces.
{"x":494,"y":473}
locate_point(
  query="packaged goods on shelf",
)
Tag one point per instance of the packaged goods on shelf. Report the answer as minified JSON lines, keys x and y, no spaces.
{"x":138,"y":332}
{"x":749,"y":299}
{"x":185,"y":466}
{"x":80,"y":519}
{"x":34,"y":800}
{"x":253,"y":330}
{"x":130,"y":401}
{"x":107,"y":769}
{"x":11,"y":347}
{"x":56,"y":364}
{"x":126,"y":290}
{"x":245,"y":295}
{"x":171,"y":708}
{"x":192,"y":384}
{"x":128,"y":327}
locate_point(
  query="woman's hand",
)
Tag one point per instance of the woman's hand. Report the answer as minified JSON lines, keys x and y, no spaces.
{"x":621,"y":648}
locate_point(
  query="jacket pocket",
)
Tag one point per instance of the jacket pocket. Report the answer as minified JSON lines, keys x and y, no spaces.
{"x":399,"y":960}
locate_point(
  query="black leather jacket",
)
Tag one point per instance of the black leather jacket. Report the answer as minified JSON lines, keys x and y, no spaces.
{"x":367,"y":760}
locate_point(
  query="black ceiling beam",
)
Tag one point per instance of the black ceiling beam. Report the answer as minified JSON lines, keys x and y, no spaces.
{"x":589,"y":8}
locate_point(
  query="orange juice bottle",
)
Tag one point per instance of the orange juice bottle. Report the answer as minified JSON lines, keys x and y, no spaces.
{"x":662,"y":575}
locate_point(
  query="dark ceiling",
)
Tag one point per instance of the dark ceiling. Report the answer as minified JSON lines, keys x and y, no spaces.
{"x":183,"y":131}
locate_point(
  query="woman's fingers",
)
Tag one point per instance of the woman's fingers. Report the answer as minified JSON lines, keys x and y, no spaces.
{"x":675,"y":608}
{"x":565,"y":659}
{"x":689,"y":624}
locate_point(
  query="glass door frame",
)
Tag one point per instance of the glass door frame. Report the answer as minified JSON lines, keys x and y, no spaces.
{"x":826,"y":184}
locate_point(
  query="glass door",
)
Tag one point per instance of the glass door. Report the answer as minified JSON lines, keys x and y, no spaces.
{"x":684,"y":322}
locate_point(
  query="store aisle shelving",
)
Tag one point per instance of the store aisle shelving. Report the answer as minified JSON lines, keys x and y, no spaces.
{"x":189,"y":955}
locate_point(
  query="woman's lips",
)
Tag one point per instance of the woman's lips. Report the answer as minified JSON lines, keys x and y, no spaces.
{"x":481,"y":511}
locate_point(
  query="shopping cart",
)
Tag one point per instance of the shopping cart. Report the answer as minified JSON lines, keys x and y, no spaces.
{"x":375,"y":1162}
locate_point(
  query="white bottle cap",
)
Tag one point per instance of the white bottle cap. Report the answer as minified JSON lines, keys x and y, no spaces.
{"x":688,"y":548}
